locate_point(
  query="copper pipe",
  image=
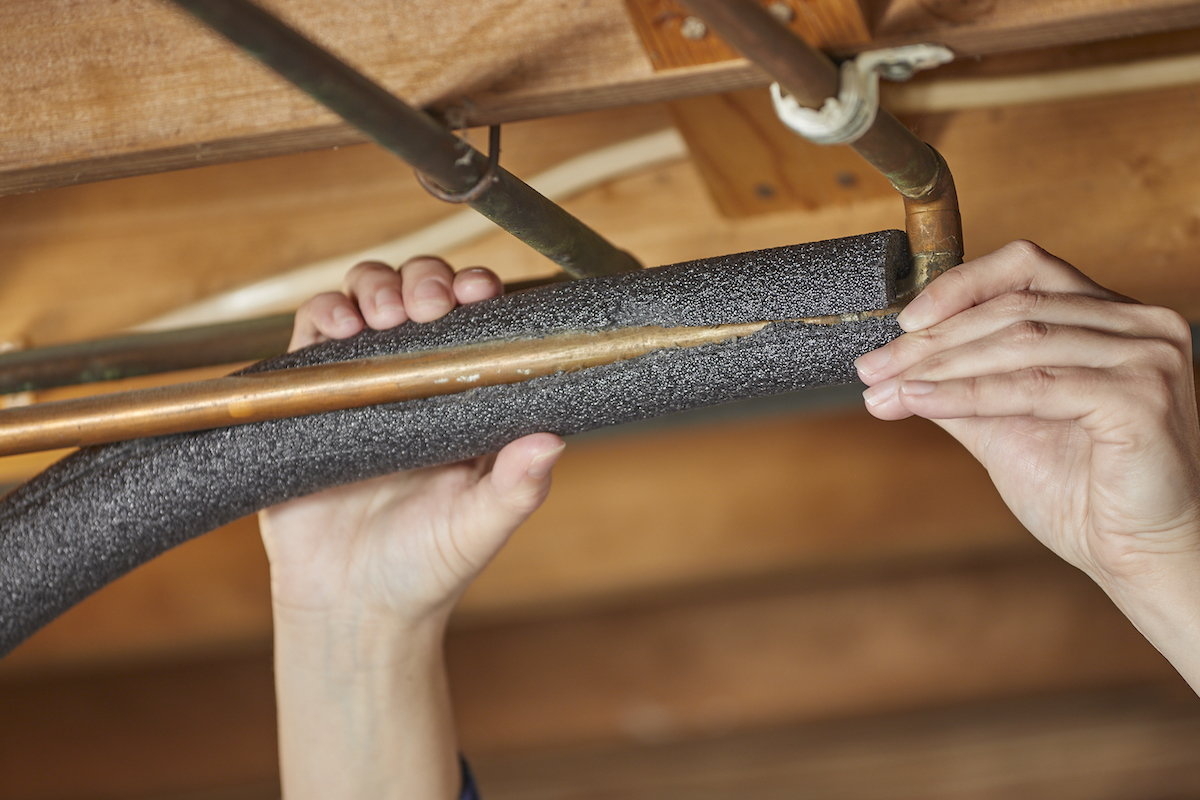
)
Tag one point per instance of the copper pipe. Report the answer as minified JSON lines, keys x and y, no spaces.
{"x":934,"y":227}
{"x":914,"y":168}
{"x":240,"y":399}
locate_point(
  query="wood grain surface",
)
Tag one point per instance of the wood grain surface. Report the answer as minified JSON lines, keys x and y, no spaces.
{"x":95,"y":90}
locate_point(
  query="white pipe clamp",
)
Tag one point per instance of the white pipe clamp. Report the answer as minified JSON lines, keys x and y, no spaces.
{"x":845,"y":118}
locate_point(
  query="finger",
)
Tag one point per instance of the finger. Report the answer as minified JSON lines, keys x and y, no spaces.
{"x":1096,"y":398}
{"x":376,"y":289}
{"x":327,"y":316}
{"x":516,"y":486}
{"x":1019,"y":266}
{"x":475,"y":284}
{"x":427,"y":288}
{"x":520,"y":476}
{"x":1023,"y":314}
{"x":1032,"y":344}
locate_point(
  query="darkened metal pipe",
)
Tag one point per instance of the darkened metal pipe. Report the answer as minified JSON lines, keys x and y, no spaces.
{"x":144,"y":354}
{"x":914,"y":168}
{"x":135,"y":354}
{"x":414,"y":136}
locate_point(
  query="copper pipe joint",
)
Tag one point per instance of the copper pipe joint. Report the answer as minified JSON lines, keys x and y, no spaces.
{"x":934,"y":226}
{"x":913,"y":168}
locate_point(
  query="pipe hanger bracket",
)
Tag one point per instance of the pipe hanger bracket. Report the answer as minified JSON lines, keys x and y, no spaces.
{"x":845,"y":118}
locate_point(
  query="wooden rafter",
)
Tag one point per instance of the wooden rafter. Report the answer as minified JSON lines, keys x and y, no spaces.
{"x":95,"y":90}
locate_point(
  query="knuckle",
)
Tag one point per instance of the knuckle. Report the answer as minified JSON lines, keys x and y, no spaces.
{"x":954,"y":279}
{"x":1164,"y":356}
{"x":915,"y":346}
{"x":1025,"y":250}
{"x":421,"y":265}
{"x":1154,"y":388}
{"x":1174,"y":327}
{"x":1037,"y":381}
{"x":1021,"y":303}
{"x":1028,"y":332}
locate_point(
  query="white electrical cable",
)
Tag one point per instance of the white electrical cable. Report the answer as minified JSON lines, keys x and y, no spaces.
{"x":957,"y":94}
{"x":287,"y":291}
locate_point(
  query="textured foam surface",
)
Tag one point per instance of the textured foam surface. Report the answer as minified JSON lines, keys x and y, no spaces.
{"x":99,"y":513}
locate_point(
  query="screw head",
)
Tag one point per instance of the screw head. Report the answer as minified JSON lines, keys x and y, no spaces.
{"x":782,"y":11}
{"x":693,"y":28}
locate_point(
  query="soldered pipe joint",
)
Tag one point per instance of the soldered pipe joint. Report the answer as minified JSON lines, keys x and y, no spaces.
{"x":934,"y":227}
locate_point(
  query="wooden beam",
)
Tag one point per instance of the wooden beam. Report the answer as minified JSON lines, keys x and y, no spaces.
{"x":660,"y":511}
{"x":800,"y":650}
{"x":784,"y":654}
{"x":674,"y":39}
{"x":105,"y":90}
{"x":196,"y":729}
{"x":984,"y":27}
{"x":1122,"y":745}
{"x":752,"y":164}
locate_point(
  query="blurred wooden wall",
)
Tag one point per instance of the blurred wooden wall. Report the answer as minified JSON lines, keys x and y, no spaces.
{"x":784,"y":598}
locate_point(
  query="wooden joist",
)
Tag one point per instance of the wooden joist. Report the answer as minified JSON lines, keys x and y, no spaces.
{"x":1120,"y":745}
{"x":799,"y":649}
{"x":792,"y":653}
{"x":96,"y":90}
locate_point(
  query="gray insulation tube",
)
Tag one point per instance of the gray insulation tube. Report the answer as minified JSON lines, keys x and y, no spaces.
{"x":102,"y":511}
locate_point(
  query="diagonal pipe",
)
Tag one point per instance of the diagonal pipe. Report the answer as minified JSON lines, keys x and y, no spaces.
{"x":443,"y":158}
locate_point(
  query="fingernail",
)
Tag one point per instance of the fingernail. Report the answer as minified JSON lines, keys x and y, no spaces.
{"x":387,"y":299}
{"x":468,"y":281}
{"x":343,"y":317}
{"x":541,"y":465}
{"x":915,"y":388}
{"x":880,"y":392}
{"x":431,"y":292}
{"x":913,"y":317}
{"x":872,"y":362}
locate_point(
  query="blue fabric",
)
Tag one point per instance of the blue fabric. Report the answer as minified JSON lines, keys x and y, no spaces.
{"x":469,"y":791}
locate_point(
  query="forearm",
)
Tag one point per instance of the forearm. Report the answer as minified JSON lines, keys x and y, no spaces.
{"x":364,"y":711}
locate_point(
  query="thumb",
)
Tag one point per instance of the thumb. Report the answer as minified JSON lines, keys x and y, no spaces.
{"x":516,"y":486}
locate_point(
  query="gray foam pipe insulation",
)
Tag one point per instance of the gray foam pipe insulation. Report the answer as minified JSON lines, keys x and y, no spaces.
{"x":104,"y":510}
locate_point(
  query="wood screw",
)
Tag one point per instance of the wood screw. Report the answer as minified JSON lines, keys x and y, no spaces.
{"x":693,"y":28}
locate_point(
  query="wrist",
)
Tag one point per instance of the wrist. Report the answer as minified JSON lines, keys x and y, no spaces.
{"x":364,"y":707}
{"x":1162,"y":600}
{"x":345,"y":643}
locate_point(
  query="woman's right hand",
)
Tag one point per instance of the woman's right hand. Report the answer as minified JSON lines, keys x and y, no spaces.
{"x":1081,"y":404}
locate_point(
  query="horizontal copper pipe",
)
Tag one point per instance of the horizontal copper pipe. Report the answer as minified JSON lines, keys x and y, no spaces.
{"x":241,"y":399}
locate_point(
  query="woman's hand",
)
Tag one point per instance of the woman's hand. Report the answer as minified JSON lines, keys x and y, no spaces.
{"x":363,"y":577}
{"x":403,"y":546}
{"x":1081,"y":405}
